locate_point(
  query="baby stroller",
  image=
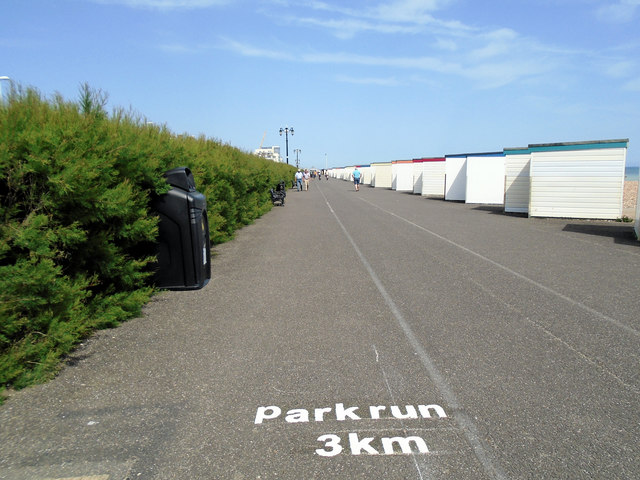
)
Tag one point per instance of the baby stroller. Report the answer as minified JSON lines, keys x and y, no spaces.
{"x":277,"y":195}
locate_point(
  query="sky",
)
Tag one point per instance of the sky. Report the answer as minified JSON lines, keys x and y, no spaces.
{"x":358,"y":81}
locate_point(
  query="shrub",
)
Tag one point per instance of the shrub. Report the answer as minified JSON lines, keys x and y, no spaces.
{"x":75,"y":185}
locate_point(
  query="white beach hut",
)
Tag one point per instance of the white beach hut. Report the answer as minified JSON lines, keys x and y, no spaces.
{"x":346,"y":173}
{"x":456,"y":177}
{"x":382,"y":175}
{"x":417,"y":176}
{"x":402,"y":175}
{"x":517,"y":183}
{"x":578,"y":179}
{"x":433,"y":177}
{"x":366,"y":174}
{"x":485,"y":178}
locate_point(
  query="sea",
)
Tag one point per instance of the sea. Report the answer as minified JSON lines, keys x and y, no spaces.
{"x":631,"y":173}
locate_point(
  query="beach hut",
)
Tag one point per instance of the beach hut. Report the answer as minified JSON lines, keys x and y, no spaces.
{"x":456,"y":177}
{"x":382,"y":175}
{"x":485,"y":178}
{"x":417,"y":176}
{"x":577,"y":179}
{"x":517,"y":184}
{"x":346,"y":173}
{"x":402,"y":175}
{"x":366,"y":174}
{"x":433,"y":176}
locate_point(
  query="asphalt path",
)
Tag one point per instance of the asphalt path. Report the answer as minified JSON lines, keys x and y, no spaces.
{"x":369,"y":334}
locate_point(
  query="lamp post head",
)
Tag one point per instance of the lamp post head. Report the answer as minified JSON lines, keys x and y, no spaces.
{"x":291,"y":130}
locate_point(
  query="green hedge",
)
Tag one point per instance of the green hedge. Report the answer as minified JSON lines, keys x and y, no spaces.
{"x":75,"y":186}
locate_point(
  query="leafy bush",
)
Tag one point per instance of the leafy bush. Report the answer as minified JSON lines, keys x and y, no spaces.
{"x":75,"y":186}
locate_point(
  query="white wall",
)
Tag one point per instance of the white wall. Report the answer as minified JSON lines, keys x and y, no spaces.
{"x":346,"y":174}
{"x":383,"y":175}
{"x":403,"y":176}
{"x":517,"y":182}
{"x":366,"y":175}
{"x":577,"y":183}
{"x":433,"y":178}
{"x":456,"y":178}
{"x":485,"y":180}
{"x":417,"y":178}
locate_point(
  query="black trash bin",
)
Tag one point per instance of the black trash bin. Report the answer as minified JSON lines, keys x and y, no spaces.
{"x":183,"y":250}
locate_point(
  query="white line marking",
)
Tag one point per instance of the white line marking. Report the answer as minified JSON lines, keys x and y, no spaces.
{"x":553,"y":337}
{"x":393,"y":399}
{"x":467,"y":426}
{"x":570,"y":300}
{"x":91,"y":477}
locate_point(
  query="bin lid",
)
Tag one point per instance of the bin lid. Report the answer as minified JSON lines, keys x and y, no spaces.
{"x":181,"y":177}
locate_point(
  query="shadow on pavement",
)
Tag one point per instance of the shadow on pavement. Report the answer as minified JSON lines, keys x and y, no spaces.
{"x":622,"y":233}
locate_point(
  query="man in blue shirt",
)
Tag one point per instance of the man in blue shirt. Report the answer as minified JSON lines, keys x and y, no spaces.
{"x":356,"y":178}
{"x":299,"y":180}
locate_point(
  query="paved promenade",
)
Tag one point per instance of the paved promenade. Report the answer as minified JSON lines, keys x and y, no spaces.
{"x":362,"y":335}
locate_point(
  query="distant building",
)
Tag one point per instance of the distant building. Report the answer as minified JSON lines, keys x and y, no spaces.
{"x":270,"y":153}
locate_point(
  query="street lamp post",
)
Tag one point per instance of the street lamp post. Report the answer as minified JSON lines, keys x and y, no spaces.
{"x":286,"y":131}
{"x":297,"y":150}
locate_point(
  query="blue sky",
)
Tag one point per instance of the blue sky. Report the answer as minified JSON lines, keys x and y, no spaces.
{"x":359,"y":81}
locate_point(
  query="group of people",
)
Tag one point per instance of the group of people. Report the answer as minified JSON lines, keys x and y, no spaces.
{"x":320,"y":173}
{"x":304,"y":177}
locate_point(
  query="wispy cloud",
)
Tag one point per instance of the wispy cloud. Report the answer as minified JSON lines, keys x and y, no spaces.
{"x":495,"y":43}
{"x":489,"y":58}
{"x":500,"y":73}
{"x":178,"y":48}
{"x":415,"y":63}
{"x":486,"y":58}
{"x":411,"y":11}
{"x":446,"y":44}
{"x":620,"y":69}
{"x":165,"y":4}
{"x":247,"y":50}
{"x":384,"y":82}
{"x":400,"y":16}
{"x":633,"y":85}
{"x":346,"y":28}
{"x":488,"y":74}
{"x":622,"y":11}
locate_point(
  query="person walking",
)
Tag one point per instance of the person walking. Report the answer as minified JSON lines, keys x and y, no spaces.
{"x":306,"y":177}
{"x":356,"y":179}
{"x":299,"y":180}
